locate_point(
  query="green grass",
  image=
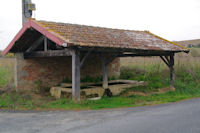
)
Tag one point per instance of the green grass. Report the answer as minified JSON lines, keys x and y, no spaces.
{"x":155,"y":73}
{"x":4,"y":76}
{"x":187,"y":86}
{"x":14,"y":101}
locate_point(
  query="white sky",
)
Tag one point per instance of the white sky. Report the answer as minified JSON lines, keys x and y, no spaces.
{"x":170,"y":19}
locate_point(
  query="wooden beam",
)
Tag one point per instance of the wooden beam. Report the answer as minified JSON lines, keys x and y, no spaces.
{"x":142,"y":55}
{"x":165,"y":61}
{"x":167,"y":58}
{"x":76,"y":75}
{"x":45,"y":44}
{"x":104,"y":71}
{"x":85,"y":57}
{"x":50,"y":53}
{"x":121,"y":50}
{"x":109,"y":60}
{"x":169,"y":61}
{"x":172,"y":77}
{"x":35,"y":44}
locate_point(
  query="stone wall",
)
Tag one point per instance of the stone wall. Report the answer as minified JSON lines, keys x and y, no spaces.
{"x":51,"y":71}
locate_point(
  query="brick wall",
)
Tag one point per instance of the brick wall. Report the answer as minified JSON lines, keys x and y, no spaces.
{"x":52,"y":71}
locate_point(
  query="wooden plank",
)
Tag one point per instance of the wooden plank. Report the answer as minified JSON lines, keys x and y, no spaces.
{"x":76,"y":75}
{"x":50,"y":53}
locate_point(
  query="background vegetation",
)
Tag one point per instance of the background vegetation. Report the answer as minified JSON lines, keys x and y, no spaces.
{"x":151,"y":69}
{"x":6,"y":71}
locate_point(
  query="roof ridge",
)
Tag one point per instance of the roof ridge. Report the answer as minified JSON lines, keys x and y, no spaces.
{"x":88,"y":25}
{"x":148,"y":32}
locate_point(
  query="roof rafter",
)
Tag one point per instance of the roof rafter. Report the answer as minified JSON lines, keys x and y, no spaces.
{"x":32,"y":24}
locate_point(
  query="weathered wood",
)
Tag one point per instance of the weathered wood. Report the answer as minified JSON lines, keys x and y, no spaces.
{"x":50,"y":53}
{"x":45,"y":44}
{"x":108,"y":61}
{"x":104,"y":70}
{"x":85,"y":57}
{"x":122,"y":50}
{"x":35,"y":44}
{"x":167,"y":58}
{"x":170,"y":63}
{"x":76,"y":75}
{"x":165,"y":61}
{"x":143,"y":55}
{"x":172,"y":70}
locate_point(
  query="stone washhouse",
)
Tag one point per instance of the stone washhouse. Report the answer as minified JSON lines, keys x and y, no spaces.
{"x":51,"y":51}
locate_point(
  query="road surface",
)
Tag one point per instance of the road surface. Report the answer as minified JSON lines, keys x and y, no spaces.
{"x":181,"y":117}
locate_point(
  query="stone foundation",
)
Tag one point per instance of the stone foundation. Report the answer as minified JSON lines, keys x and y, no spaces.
{"x":50,"y":71}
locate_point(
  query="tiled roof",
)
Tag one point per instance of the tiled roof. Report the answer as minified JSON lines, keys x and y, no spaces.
{"x":105,"y":37}
{"x":89,"y":36}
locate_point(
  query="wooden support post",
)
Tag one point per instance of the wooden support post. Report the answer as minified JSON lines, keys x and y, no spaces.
{"x":45,"y":44}
{"x":171,"y":67}
{"x":170,"y":63}
{"x":49,"y":53}
{"x":76,"y":75}
{"x":104,"y":70}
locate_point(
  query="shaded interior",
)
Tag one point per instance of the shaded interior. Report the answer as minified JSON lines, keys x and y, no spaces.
{"x":29,"y":39}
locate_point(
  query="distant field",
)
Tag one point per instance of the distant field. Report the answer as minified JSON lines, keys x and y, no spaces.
{"x":181,"y":59}
{"x":185,"y":43}
{"x":6,"y":71}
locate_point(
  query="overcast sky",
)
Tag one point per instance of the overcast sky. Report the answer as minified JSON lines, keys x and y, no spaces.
{"x":170,"y":19}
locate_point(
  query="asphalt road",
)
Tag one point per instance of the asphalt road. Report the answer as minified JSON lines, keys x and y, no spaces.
{"x":182,"y":117}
